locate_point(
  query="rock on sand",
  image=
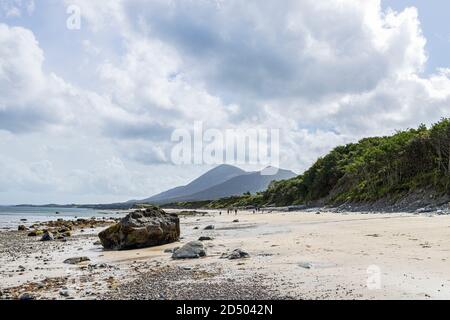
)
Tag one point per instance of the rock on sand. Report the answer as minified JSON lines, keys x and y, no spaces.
{"x":76,"y":260}
{"x":191,"y":250}
{"x":236,"y":254}
{"x":141,"y":229}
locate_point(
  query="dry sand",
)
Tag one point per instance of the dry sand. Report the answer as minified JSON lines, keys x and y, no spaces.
{"x":295,"y":255}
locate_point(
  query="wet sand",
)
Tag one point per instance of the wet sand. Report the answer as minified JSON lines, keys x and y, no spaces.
{"x":295,"y":255}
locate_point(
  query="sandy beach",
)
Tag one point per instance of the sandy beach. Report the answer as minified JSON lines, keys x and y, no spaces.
{"x":295,"y":255}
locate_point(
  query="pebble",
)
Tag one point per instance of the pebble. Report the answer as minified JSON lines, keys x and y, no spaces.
{"x":76,"y":260}
{"x":64,"y":292}
{"x":236,"y":254}
{"x":48,"y":236}
{"x":26,"y":296}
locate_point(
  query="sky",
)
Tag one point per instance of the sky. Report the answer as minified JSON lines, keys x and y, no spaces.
{"x":87,"y":113}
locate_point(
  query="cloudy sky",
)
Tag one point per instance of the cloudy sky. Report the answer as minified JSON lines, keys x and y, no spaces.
{"x":86,"y":114}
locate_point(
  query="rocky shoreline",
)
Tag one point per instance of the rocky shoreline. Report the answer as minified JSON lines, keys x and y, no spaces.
{"x":186,"y":283}
{"x":282,"y":255}
{"x":41,"y":269}
{"x":420,"y":202}
{"x":36,"y":269}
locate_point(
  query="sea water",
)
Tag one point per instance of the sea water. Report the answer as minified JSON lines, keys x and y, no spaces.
{"x":12,"y":217}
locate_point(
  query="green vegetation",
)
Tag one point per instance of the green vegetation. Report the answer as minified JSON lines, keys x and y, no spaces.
{"x":246,"y":200}
{"x":187,"y":205}
{"x":372,"y":169}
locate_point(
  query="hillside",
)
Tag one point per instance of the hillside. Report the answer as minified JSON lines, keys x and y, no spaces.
{"x":409,"y":166}
{"x":408,"y":171}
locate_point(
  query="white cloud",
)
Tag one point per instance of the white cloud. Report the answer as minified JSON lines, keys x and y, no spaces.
{"x":325,"y":72}
{"x":15,"y":8}
{"x":252,"y":51}
{"x":27,"y":176}
{"x":21,"y":75}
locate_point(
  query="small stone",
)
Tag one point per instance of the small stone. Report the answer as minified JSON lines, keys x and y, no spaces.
{"x":48,"y":236}
{"x":26,"y":296}
{"x":210,"y":227}
{"x":205,"y":238}
{"x":235,"y":221}
{"x":76,"y":260}
{"x":171,"y":250}
{"x":236,"y":254}
{"x":375,"y":235}
{"x":35,"y":233}
{"x":305,"y":265}
{"x":22,"y":228}
{"x":64,"y":292}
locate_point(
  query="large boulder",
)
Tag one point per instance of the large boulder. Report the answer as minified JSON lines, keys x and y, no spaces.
{"x":142,"y":228}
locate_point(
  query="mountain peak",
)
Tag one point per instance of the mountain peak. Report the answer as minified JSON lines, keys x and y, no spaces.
{"x":207,"y":180}
{"x":269,"y":171}
{"x":221,"y":181}
{"x":225,"y":167}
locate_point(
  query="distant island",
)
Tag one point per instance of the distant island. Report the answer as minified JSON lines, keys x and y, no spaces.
{"x":221,"y":182}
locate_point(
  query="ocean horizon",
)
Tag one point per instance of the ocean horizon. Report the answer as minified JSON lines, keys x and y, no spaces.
{"x":13,"y":216}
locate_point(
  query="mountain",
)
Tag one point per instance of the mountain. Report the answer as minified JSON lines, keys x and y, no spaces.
{"x":249,"y":182}
{"x":211,"y":178}
{"x":223,"y":181}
